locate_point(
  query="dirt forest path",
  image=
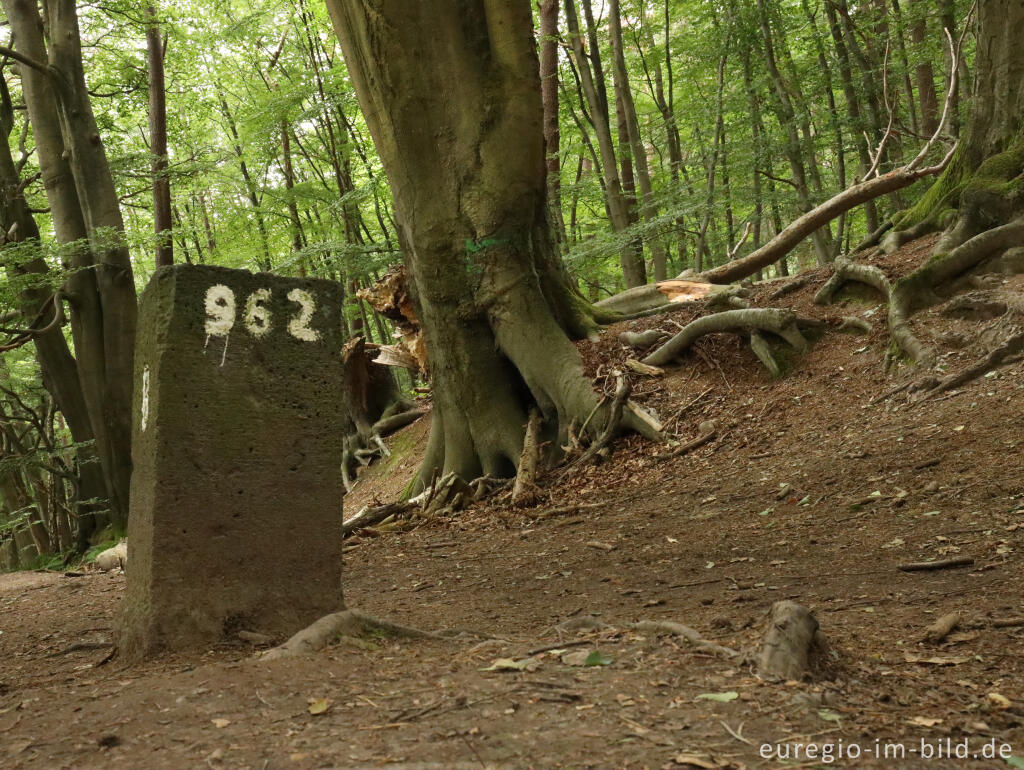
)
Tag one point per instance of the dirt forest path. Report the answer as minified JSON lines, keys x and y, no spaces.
{"x":812,"y":490}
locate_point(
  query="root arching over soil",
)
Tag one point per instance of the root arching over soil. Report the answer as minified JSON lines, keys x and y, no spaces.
{"x":921,"y":288}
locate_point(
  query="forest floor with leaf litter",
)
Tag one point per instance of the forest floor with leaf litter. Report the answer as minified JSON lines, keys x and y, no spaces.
{"x":814,"y":489}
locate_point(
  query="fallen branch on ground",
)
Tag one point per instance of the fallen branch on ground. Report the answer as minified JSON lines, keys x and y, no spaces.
{"x":685,"y":632}
{"x":687,"y":447}
{"x":993,"y":360}
{"x":927,"y":566}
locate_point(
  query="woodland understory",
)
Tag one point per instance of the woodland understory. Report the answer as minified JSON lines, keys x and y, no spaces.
{"x":718,"y":145}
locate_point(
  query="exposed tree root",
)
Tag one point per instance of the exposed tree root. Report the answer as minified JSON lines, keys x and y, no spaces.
{"x":764,"y":354}
{"x":612,"y":425}
{"x":398,"y":419}
{"x":692,"y":635}
{"x":369,"y":516}
{"x":332,"y":627}
{"x":445,"y":495}
{"x":790,"y":286}
{"x":786,"y":647}
{"x":846,"y":271}
{"x":775,"y":320}
{"x":917,"y":290}
{"x":643,"y":340}
{"x":874,"y":238}
{"x":897,"y":238}
{"x":1011,"y":347}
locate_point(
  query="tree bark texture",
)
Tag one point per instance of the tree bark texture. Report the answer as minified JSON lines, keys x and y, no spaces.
{"x":469,"y":183}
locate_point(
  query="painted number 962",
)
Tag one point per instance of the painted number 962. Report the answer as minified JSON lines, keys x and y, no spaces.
{"x":222,"y":311}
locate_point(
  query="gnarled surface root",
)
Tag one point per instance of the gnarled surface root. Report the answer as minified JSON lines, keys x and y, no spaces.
{"x":332,"y":627}
{"x":775,"y":320}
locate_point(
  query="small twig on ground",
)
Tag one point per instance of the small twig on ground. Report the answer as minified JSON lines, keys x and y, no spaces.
{"x":737,"y":734}
{"x":927,"y":566}
{"x":689,"y":446}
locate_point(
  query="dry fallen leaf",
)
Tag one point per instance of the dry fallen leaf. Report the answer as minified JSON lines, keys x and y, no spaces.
{"x":508,"y":664}
{"x":319,"y":705}
{"x":998,"y":700}
{"x":924,"y":722}
{"x":693,"y":760}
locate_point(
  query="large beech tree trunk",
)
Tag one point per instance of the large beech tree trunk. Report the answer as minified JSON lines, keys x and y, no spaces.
{"x":982,"y":183}
{"x":85,"y":210}
{"x":58,"y":366}
{"x":469,"y":183}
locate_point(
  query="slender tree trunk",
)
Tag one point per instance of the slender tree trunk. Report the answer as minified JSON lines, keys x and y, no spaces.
{"x":289,"y":184}
{"x":794,"y":147}
{"x":58,"y":367}
{"x":158,"y":140}
{"x":549,"y":98}
{"x":948,"y":19}
{"x":591,"y":82}
{"x":625,"y":94}
{"x":85,"y":211}
{"x":923,"y":72}
{"x":265,"y":263}
{"x":901,"y":48}
{"x":853,"y":107}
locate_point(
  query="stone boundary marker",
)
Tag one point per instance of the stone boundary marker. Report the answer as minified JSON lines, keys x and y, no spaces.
{"x":235,"y":517}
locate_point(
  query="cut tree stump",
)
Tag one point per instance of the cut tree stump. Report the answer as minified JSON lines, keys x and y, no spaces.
{"x":786,"y":647}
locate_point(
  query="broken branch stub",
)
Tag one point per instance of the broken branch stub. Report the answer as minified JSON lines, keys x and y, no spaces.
{"x":786,"y":647}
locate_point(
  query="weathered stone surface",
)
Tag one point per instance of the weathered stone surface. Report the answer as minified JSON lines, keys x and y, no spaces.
{"x":235,"y":518}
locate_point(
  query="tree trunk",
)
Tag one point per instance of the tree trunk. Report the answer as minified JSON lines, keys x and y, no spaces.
{"x":853,"y":108}
{"x":549,"y":97}
{"x":591,"y":83}
{"x":794,"y":147}
{"x":158,"y":140}
{"x":470,"y":198}
{"x":85,"y":211}
{"x":57,"y":365}
{"x":982,"y":181}
{"x":298,"y":243}
{"x":251,"y":190}
{"x":923,"y":72}
{"x":624,"y":92}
